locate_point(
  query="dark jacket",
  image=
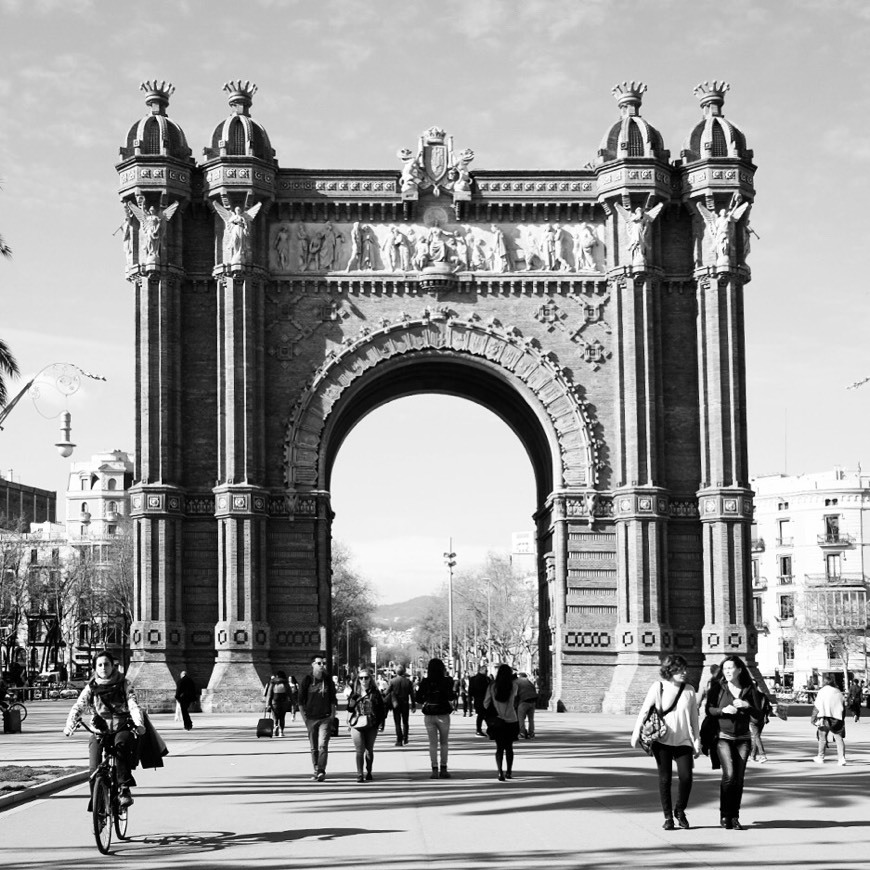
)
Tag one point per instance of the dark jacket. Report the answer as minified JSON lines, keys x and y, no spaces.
{"x":436,"y":697}
{"x":478,"y":685}
{"x":186,"y":691}
{"x":317,"y":702}
{"x":400,"y":693}
{"x":733,"y":726}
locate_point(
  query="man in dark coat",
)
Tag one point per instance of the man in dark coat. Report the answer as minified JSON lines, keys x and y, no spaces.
{"x":186,"y":693}
{"x":477,"y":687}
{"x":400,"y":698}
{"x":317,"y":701}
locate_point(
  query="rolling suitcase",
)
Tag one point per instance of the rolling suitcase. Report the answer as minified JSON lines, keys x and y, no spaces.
{"x":11,"y":721}
{"x":333,"y":730}
{"x":265,"y":725}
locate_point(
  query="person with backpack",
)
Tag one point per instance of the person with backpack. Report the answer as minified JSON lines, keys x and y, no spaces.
{"x":436,"y":695}
{"x":111,"y":700}
{"x":401,"y":700}
{"x":504,"y":727}
{"x":317,"y":701}
{"x":674,"y":700}
{"x":756,"y":724}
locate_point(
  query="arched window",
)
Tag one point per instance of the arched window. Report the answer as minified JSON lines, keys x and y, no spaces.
{"x":720,"y":146}
{"x":84,"y":483}
{"x":237,"y":138}
{"x":84,"y":507}
{"x":112,"y":484}
{"x":112,"y":507}
{"x":635,"y":141}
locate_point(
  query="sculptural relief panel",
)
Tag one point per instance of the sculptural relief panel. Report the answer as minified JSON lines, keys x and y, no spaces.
{"x":334,"y":248}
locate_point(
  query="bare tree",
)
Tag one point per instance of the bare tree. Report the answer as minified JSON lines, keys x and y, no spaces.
{"x":353,"y":600}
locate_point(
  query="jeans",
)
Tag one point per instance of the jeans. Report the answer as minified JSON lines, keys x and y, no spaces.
{"x":478,"y":707}
{"x":125,"y":746}
{"x":438,"y":729}
{"x":526,"y":709}
{"x":400,"y":719}
{"x":733,"y":755}
{"x":838,"y":740}
{"x":364,"y":744}
{"x":684,"y":757}
{"x":318,"y":735}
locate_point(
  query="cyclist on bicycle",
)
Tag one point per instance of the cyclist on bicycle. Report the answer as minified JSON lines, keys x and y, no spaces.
{"x":111,"y":701}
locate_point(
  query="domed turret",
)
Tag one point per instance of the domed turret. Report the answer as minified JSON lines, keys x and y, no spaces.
{"x":714,"y":136}
{"x":631,"y":136}
{"x":240,"y":135}
{"x":156,"y":134}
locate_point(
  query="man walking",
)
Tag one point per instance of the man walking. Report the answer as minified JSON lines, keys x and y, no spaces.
{"x":317,"y":701}
{"x":400,"y":698}
{"x":477,"y":686}
{"x":186,"y":693}
{"x":527,"y":699}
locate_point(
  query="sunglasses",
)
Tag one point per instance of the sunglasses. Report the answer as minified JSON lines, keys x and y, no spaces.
{"x":319,"y":664}
{"x":365,"y":678}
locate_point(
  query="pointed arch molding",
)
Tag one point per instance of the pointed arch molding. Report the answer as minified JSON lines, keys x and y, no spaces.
{"x":505,"y":347}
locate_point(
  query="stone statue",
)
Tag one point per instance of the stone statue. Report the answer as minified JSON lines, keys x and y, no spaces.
{"x":304,"y":245}
{"x":638,"y":226}
{"x":128,"y":235}
{"x":412,"y":175}
{"x":282,"y":246}
{"x":721,"y":228}
{"x":501,"y":260}
{"x":552,"y":248}
{"x":398,"y":253}
{"x":585,"y":240}
{"x":530,"y":249}
{"x":462,"y":250}
{"x":329,"y":241}
{"x":362,"y":247}
{"x":152,"y":230}
{"x":421,"y":248}
{"x":437,"y":244}
{"x":237,"y":231}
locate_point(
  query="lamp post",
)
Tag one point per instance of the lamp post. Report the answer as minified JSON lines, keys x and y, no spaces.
{"x":347,"y":623}
{"x":488,"y":582}
{"x":66,"y":379}
{"x":450,"y":561}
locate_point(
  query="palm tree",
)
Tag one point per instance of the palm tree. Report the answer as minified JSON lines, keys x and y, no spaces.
{"x":8,"y":368}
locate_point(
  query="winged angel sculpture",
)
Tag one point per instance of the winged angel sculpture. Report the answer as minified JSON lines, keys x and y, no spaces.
{"x":638,"y":226}
{"x":721,"y":228}
{"x":152,"y":224}
{"x":237,"y":231}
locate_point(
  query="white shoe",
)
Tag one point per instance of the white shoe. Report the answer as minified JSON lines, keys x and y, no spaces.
{"x":819,"y":759}
{"x":762,"y":759}
{"x":842,"y":762}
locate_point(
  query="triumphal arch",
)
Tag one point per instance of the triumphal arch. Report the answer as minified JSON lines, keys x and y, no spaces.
{"x":597,"y":311}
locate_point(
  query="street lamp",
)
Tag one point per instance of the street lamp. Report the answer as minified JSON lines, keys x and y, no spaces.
{"x":65,"y":378}
{"x":488,"y":582}
{"x":347,"y":623}
{"x":450,"y":561}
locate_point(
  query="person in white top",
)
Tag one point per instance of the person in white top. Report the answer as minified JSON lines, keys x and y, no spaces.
{"x":830,"y":717}
{"x":681,"y":744}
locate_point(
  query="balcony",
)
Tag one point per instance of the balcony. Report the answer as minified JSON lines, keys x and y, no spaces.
{"x":785,"y":579}
{"x":759,"y":583}
{"x":836,"y":541}
{"x":843,"y":579}
{"x":757,"y":545}
{"x":785,"y":542}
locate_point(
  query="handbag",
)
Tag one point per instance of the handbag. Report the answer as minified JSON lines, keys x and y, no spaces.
{"x":356,"y":719}
{"x":654,"y":727}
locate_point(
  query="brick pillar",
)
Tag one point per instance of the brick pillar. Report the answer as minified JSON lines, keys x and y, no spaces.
{"x":242,"y":635}
{"x":724,"y":499}
{"x":640,"y":499}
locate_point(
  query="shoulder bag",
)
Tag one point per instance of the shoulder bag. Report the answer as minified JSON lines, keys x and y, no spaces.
{"x":653,"y":727}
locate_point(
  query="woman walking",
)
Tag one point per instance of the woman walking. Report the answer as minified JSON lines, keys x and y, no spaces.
{"x":436,"y":696}
{"x":829,"y":718}
{"x":732,"y":700}
{"x":501,"y":695}
{"x":673,"y":697}
{"x":366,"y":714}
{"x":294,"y":697}
{"x":278,"y":699}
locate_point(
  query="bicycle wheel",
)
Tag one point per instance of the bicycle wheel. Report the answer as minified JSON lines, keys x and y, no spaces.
{"x":102,"y":810}
{"x":121,"y":818}
{"x":22,"y":710}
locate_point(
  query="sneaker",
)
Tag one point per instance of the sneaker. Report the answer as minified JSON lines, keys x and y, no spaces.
{"x":443,"y":773}
{"x":434,"y":774}
{"x":842,"y":762}
{"x":321,"y":775}
{"x":682,"y":821}
{"x":405,"y":741}
{"x":398,"y":743}
{"x":500,"y":776}
{"x":369,"y":777}
{"x":126,"y":799}
{"x":819,"y":759}
{"x":668,"y":825}
{"x":762,"y":759}
{"x":360,"y":778}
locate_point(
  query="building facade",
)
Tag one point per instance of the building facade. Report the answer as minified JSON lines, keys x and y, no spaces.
{"x":21,"y":505}
{"x":97,"y":497}
{"x":810,"y":570}
{"x":598,"y":311}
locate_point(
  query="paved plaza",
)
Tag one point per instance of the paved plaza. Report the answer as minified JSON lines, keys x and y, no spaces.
{"x":581,"y":798}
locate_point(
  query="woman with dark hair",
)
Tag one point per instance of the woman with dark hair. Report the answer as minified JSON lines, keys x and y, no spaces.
{"x":501,"y":695}
{"x":436,"y":695}
{"x":278,"y":699}
{"x":366,"y":713}
{"x":675,"y":701}
{"x":733,"y":701}
{"x":294,"y":696}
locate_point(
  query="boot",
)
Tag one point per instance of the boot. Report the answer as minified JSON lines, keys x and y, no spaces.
{"x":434,"y":774}
{"x":443,"y":774}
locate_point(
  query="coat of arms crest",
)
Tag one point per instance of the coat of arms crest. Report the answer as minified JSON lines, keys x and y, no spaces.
{"x":435,"y":167}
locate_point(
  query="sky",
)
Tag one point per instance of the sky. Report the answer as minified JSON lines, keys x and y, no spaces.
{"x":526,"y":85}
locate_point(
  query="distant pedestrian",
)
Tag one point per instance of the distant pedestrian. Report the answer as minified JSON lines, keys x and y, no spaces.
{"x":400,"y":700}
{"x":501,"y":695}
{"x":465,"y":698}
{"x":675,"y":701}
{"x":185,"y":694}
{"x":757,"y":723}
{"x":317,"y":701}
{"x":829,"y":718}
{"x":435,"y":696}
{"x":366,"y":712}
{"x":711,"y":677}
{"x":278,"y":700}
{"x":527,"y":700}
{"x":731,"y":700}
{"x":477,"y":686}
{"x":854,"y":699}
{"x":294,"y":697}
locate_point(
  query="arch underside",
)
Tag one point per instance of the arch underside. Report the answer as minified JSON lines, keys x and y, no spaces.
{"x":485,"y":364}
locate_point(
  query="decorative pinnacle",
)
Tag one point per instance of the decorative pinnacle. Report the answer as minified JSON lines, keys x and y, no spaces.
{"x":241,"y":95}
{"x":158,"y":94}
{"x":712,"y":96}
{"x":629,"y":96}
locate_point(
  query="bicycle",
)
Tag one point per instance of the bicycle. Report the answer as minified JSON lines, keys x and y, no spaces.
{"x":14,"y":705}
{"x":105,"y":793}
